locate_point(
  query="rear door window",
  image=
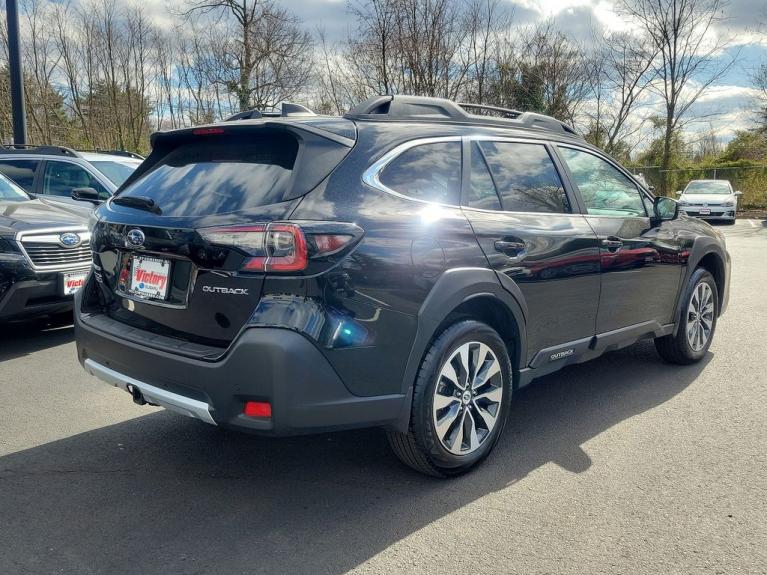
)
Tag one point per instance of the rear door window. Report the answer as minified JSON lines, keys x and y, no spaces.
{"x":20,"y":171}
{"x":429,"y":172}
{"x":60,"y":178}
{"x":204,"y":177}
{"x":525,"y":176}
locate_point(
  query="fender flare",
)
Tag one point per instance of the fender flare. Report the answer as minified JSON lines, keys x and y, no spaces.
{"x":454,"y":287}
{"x":701,"y":247}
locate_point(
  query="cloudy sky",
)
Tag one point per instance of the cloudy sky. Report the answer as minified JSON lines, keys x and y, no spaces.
{"x":726,"y":107}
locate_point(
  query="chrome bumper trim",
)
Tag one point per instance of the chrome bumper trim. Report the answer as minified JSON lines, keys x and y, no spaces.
{"x":168,"y":400}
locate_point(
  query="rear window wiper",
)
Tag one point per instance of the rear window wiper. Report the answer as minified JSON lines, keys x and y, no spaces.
{"x":138,"y":202}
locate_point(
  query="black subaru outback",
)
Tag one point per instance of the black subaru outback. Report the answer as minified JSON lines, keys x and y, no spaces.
{"x":408,"y":266}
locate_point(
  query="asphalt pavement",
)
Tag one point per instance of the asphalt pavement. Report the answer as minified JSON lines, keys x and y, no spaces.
{"x":621,"y":465}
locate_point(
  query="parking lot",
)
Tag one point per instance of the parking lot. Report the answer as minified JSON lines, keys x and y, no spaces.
{"x":621,"y":465}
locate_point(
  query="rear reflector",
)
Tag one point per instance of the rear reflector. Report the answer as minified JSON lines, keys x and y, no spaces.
{"x":257,"y":409}
{"x":327,"y":244}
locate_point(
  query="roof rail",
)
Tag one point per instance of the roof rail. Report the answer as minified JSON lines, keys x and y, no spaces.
{"x":124,"y":153}
{"x":287,"y":109}
{"x":422,"y":108}
{"x":33,"y":149}
{"x":504,"y":112}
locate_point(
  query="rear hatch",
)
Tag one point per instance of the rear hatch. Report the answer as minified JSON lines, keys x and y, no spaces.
{"x":174,"y":248}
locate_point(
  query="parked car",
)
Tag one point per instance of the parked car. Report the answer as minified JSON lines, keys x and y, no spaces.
{"x":409,"y":265}
{"x":66,"y":175}
{"x":44,"y":254}
{"x":709,"y":200}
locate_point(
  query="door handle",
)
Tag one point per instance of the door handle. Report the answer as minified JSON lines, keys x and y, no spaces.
{"x":510,"y":247}
{"x":612,"y":244}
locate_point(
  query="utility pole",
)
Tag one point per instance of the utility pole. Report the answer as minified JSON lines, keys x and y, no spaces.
{"x":17,"y":74}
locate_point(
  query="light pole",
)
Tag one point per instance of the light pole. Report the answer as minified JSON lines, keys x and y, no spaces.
{"x":17,"y":75}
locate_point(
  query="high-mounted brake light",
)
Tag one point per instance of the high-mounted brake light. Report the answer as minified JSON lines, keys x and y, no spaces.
{"x":207,"y":131}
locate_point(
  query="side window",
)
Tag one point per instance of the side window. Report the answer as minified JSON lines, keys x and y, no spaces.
{"x":605,"y":190}
{"x":20,"y":171}
{"x":430,"y":172}
{"x":481,"y":193}
{"x":60,"y":178}
{"x":526,"y":177}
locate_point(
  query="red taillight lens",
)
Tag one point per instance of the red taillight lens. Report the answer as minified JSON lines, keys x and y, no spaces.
{"x":286,"y":248}
{"x":270,"y":247}
{"x":257,"y":409}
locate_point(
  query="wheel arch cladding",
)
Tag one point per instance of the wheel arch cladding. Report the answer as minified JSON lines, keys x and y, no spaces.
{"x":462,"y":293}
{"x":713,"y":263}
{"x":707,"y":253}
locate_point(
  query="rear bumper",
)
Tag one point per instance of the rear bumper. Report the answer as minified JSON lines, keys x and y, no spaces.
{"x":264,"y":364}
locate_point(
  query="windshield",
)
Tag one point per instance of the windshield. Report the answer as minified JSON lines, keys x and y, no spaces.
{"x":116,"y":171}
{"x":712,"y":187}
{"x":10,"y":191}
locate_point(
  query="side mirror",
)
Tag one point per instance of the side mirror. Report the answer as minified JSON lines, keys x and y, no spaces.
{"x":738,"y":193}
{"x":679,"y":192}
{"x":665,"y":209}
{"x":86,"y":195}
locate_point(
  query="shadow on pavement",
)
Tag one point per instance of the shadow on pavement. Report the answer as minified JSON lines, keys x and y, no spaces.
{"x":163,"y":494}
{"x":24,"y":338}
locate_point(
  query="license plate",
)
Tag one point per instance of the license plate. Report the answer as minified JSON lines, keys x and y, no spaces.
{"x":705,"y":212}
{"x":149,"y":277}
{"x":71,"y":282}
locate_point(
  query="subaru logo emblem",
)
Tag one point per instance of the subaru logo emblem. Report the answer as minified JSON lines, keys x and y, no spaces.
{"x":135,"y":238}
{"x":69,"y":240}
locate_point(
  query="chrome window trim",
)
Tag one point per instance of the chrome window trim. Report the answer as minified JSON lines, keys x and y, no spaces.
{"x":371,"y":175}
{"x":49,"y":238}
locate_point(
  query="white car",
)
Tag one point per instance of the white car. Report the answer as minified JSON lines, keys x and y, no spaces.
{"x":709,"y":200}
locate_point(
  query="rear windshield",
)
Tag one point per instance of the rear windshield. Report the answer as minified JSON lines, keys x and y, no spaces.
{"x":216,"y":176}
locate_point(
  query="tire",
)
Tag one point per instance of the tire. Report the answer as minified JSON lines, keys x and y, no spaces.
{"x":426,"y":445}
{"x":683,"y":348}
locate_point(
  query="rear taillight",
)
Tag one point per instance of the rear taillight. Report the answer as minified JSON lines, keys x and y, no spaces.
{"x":276,"y":247}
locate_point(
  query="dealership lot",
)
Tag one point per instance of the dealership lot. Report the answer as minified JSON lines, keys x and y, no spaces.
{"x":621,"y":465}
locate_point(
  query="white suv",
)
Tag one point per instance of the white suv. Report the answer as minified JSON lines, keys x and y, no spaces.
{"x":55,"y":172}
{"x":709,"y":200}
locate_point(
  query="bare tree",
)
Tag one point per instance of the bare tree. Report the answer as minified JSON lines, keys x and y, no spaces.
{"x":264,"y":56}
{"x":760,"y":83}
{"x":621,"y":74}
{"x":485,"y":22}
{"x":682,"y":31}
{"x":546,"y":72}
